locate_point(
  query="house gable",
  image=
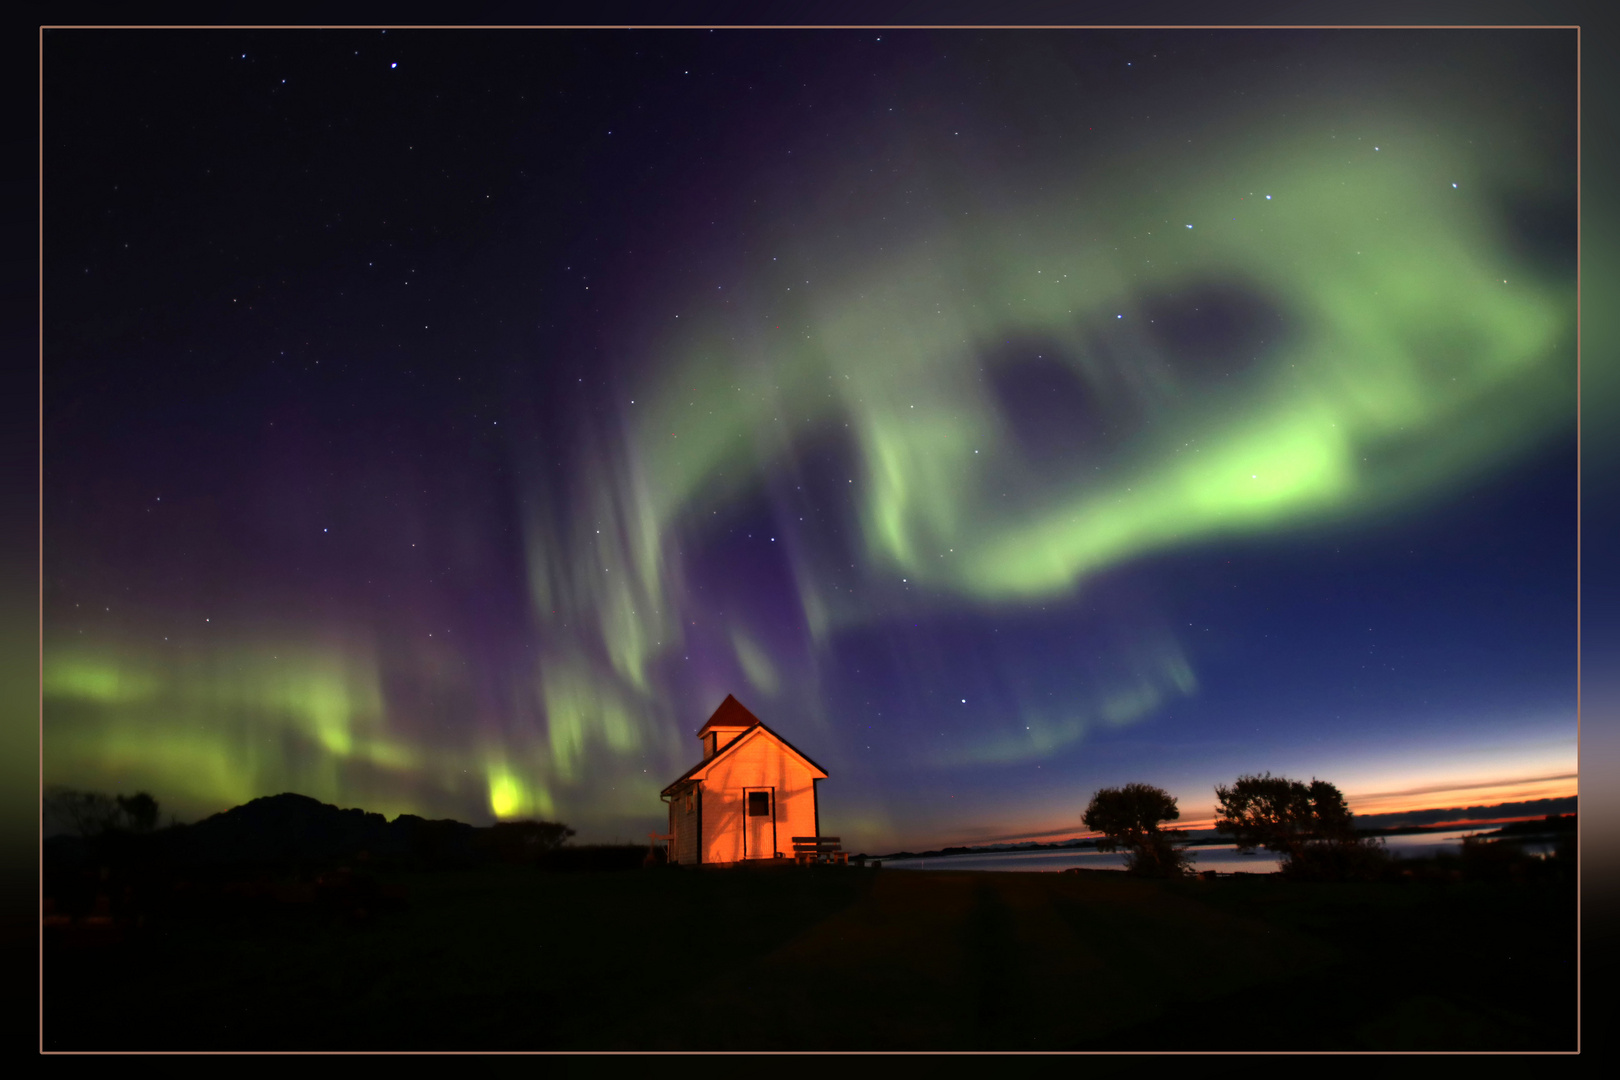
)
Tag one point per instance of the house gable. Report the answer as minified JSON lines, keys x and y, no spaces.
{"x":740,"y":744}
{"x":700,"y":771}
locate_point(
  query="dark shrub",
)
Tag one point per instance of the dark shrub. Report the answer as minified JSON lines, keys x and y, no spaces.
{"x":1158,"y":856}
{"x":1340,"y":860}
{"x":523,"y":841}
{"x":593,"y":857}
{"x":1497,"y":860}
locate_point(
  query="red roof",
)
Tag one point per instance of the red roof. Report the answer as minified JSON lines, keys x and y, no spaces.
{"x":730,"y":714}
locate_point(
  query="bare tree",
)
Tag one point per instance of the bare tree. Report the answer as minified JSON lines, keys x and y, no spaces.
{"x":90,"y":813}
{"x":84,"y":813}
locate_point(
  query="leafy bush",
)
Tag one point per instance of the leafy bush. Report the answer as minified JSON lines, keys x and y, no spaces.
{"x":1363,"y":859}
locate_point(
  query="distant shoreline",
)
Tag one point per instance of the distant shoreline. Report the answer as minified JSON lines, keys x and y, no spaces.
{"x":1209,"y":837}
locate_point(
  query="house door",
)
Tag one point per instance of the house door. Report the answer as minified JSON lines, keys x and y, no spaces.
{"x":759,"y":823}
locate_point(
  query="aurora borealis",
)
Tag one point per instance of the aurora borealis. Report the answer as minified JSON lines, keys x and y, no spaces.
{"x":444,"y":422}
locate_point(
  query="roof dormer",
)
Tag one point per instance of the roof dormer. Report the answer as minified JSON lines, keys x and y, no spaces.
{"x":730,"y":720}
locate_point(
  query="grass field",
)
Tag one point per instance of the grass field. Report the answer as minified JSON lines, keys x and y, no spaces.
{"x":504,"y":957}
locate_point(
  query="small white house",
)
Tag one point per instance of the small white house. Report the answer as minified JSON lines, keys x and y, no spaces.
{"x":749,"y":796}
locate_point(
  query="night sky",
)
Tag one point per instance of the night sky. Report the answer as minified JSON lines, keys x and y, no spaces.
{"x":445,"y":422}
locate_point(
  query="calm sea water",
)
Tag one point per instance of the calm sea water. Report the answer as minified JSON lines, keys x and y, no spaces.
{"x":1221,"y":858}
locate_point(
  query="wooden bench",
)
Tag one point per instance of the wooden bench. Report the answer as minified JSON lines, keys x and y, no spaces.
{"x":809,"y":849}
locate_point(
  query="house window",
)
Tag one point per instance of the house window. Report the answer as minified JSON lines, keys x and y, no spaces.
{"x":689,"y":800}
{"x":759,"y":804}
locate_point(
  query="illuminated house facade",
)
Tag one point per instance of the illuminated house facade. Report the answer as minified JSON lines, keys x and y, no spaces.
{"x":749,"y":796}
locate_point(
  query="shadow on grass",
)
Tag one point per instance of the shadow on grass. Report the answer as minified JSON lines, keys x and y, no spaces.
{"x":1424,"y":966}
{"x":505,"y":957}
{"x":496,"y":957}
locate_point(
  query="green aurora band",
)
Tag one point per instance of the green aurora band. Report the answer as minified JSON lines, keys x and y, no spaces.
{"x":1415,"y":348}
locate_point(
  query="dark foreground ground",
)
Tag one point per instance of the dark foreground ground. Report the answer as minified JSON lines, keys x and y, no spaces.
{"x":505,"y":957}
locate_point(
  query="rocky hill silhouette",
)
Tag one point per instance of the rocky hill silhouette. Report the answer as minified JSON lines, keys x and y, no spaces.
{"x":288,"y":828}
{"x":291,"y":827}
